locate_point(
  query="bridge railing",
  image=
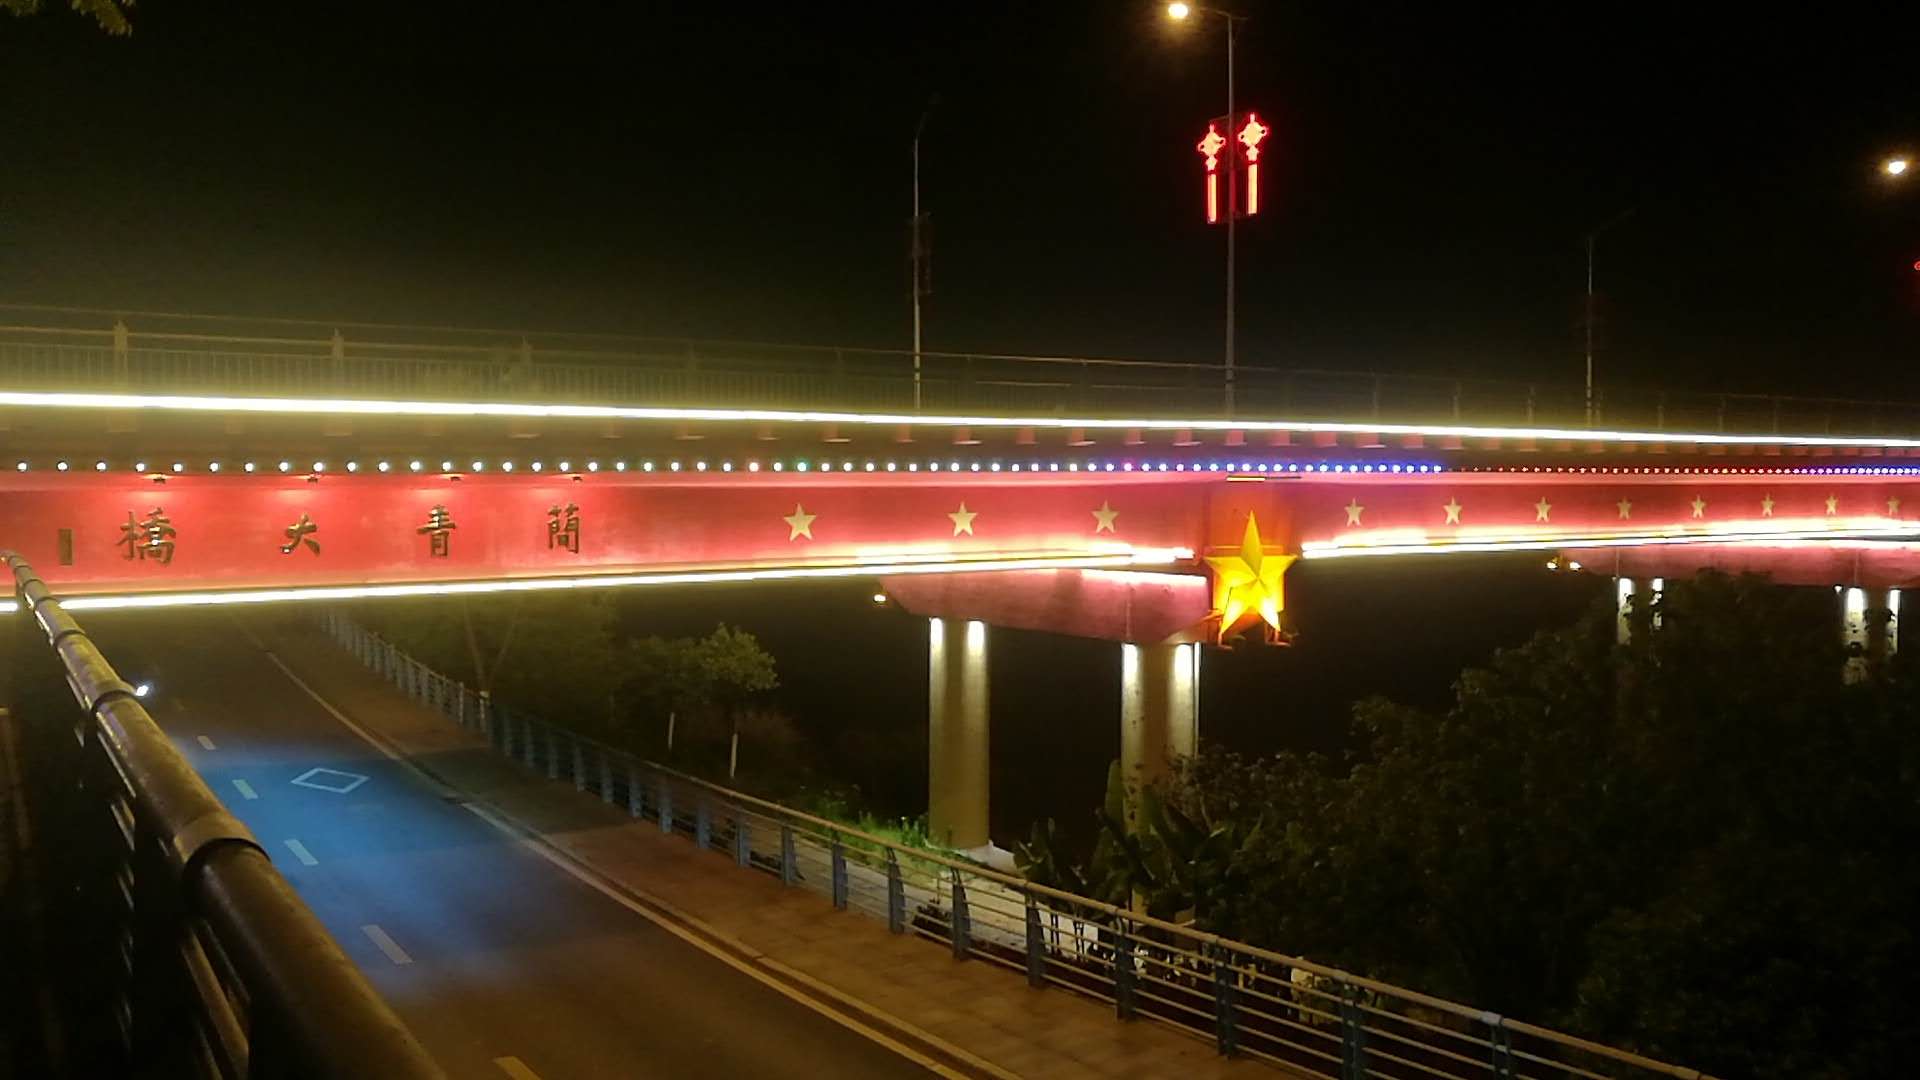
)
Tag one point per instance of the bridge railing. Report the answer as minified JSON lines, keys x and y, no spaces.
{"x":1310,"y":1018}
{"x":677,"y":372}
{"x":182,"y":951}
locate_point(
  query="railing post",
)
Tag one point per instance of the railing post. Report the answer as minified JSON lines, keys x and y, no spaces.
{"x":553,"y":754}
{"x":702,"y":824}
{"x":1226,"y":1021}
{"x":606,"y":779}
{"x":1123,"y":973}
{"x":896,"y":895}
{"x":789,"y":864}
{"x":337,"y":351}
{"x":960,"y":930}
{"x":121,"y":351}
{"x":665,"y":807}
{"x":526,"y":741}
{"x":579,"y":763}
{"x":1353,"y":1034}
{"x":1531,"y":391}
{"x":460,"y":707}
{"x":1036,"y":946}
{"x":839,"y":875}
{"x":1500,"y":1044}
{"x":742,"y":842}
{"x":634,"y":797}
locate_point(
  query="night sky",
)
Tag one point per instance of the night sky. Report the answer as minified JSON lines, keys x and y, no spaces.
{"x":743,"y":173}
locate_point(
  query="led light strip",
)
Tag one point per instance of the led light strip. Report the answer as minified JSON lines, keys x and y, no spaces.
{"x":359,"y":407}
{"x":1331,"y":550}
{"x":1114,"y":560}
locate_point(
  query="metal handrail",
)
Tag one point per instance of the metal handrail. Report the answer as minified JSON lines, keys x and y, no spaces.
{"x":308,"y":1010}
{"x":1251,"y":1000}
{"x":656,"y":370}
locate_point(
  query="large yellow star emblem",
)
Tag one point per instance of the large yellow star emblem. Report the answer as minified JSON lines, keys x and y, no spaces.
{"x":1249,"y":582}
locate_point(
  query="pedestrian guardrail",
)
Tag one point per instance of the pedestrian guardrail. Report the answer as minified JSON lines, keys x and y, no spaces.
{"x":1308,"y":1017}
{"x":192,"y":954}
{"x":669,"y":372}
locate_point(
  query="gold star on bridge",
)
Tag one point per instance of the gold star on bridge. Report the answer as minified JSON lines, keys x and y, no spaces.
{"x":1541,"y":509}
{"x":1625,"y":506}
{"x":1699,"y":506}
{"x":1453,"y":510}
{"x":1103,"y":518}
{"x":963,"y":519}
{"x":1354,"y":510}
{"x":1833,"y":505}
{"x":1766,"y":505}
{"x":1249,"y":581}
{"x":1893,"y":506}
{"x":799,"y":523}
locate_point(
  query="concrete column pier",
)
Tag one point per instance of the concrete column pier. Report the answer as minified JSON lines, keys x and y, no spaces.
{"x":1870,"y":621}
{"x":957,"y":733}
{"x":1159,"y":713}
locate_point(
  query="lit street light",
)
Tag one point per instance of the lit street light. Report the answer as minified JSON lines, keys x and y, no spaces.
{"x":1178,"y":12}
{"x":1896,"y":166}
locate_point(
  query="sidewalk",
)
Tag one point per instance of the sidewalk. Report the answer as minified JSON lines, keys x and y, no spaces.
{"x":973,"y":1017}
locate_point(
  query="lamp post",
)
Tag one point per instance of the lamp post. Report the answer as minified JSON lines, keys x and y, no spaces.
{"x":1593,"y":236}
{"x":1178,"y":11}
{"x":918,"y":255}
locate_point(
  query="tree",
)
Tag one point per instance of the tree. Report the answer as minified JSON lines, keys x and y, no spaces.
{"x":699,"y":677}
{"x":1698,"y":846}
{"x":111,"y":15}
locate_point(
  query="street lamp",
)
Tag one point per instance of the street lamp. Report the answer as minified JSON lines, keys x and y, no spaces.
{"x":1896,"y":166}
{"x":1178,"y":12}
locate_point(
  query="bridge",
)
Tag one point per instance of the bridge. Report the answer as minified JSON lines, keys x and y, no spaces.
{"x":1097,"y":498}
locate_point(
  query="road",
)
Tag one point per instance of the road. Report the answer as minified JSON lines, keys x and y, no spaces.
{"x":502,"y":963}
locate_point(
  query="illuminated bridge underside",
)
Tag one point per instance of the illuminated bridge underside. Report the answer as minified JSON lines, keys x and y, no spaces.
{"x":106,"y":535}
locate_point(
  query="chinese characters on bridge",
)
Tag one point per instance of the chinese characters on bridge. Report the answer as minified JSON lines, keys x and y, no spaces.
{"x":563,"y":528}
{"x":300,"y":533}
{"x":438,"y":528}
{"x":149,"y":538}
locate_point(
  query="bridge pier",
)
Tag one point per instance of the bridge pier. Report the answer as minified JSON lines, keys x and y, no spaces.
{"x":1159,"y":714}
{"x":957,"y":733}
{"x":1870,"y":624}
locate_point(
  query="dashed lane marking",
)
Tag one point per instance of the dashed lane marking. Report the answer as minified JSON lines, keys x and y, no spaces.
{"x":245,"y":789}
{"x":300,"y":852}
{"x":516,"y":1068}
{"x":205,"y":743}
{"x":386,"y":944}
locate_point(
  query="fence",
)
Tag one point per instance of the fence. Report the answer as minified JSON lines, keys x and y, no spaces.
{"x":1307,"y":1017}
{"x":181,"y":950}
{"x":677,"y":372}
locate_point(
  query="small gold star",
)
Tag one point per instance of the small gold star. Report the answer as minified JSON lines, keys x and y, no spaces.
{"x":1699,"y":506}
{"x":1103,"y":518}
{"x":1354,"y":510}
{"x":1766,"y":505}
{"x":1893,"y":506}
{"x":1625,"y":506}
{"x":1541,"y":509}
{"x":963,"y":519}
{"x":1833,"y":504}
{"x":1453,"y":510}
{"x":799,"y":523}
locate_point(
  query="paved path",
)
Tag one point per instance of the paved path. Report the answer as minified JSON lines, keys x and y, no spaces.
{"x":503,"y":962}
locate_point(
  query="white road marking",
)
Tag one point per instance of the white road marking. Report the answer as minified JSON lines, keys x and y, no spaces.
{"x":246,"y":789}
{"x":665,"y":922}
{"x":516,"y":1068}
{"x":386,"y":944}
{"x":300,"y":852}
{"x":205,"y":743}
{"x":331,"y":781}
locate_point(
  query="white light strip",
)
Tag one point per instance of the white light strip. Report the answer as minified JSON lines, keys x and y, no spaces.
{"x":1322,"y":550}
{"x":1143,"y":557}
{"x":351,"y":406}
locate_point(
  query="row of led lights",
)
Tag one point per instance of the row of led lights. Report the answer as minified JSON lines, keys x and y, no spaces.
{"x":1704,"y":470}
{"x":1282,"y":467}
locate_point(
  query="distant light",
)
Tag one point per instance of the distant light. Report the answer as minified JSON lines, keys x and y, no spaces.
{"x":446,"y":466}
{"x":319,"y":466}
{"x":593,"y":466}
{"x":1177,"y":10}
{"x":879,"y":598}
{"x":143,"y":690}
{"x":1573,"y":566}
{"x":179,"y":466}
{"x":352,"y":466}
{"x":385,"y":465}
{"x":506,"y":466}
{"x":566,"y":466}
{"x":286,"y":465}
{"x":1896,"y":166}
{"x":413,"y":466}
{"x":138,"y":466}
{"x":213,"y":466}
{"x":61,"y":465}
{"x":248,"y":466}
{"x":20,"y":466}
{"x":99,"y":466}
{"x":478,"y":466}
